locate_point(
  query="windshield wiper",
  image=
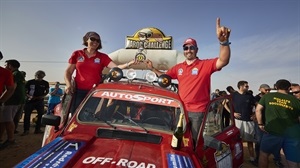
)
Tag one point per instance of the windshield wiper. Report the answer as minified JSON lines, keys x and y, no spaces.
{"x":101,"y":119}
{"x":130,"y":120}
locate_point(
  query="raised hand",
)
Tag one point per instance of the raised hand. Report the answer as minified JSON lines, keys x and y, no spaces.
{"x":223,"y":32}
{"x":148,"y":64}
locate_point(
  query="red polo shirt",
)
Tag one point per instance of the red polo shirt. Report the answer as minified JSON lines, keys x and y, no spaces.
{"x":88,"y":70}
{"x":194,"y":82}
{"x":6,"y":79}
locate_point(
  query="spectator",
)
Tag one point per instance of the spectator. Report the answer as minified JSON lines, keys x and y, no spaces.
{"x":36,"y":90}
{"x":264,"y":89}
{"x":282,"y":117}
{"x":19,"y":113}
{"x":194,"y":76}
{"x":215,"y":94}
{"x":230,"y":89}
{"x":12,"y":105}
{"x":225,"y":110}
{"x":294,"y":85}
{"x":89,"y":63}
{"x":6,"y":83}
{"x":7,"y":88}
{"x":296,"y":91}
{"x":54,"y":97}
{"x":243,"y":104}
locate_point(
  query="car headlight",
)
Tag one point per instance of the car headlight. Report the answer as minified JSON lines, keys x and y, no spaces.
{"x":164,"y":80}
{"x":115,"y":74}
{"x":150,"y":76}
{"x":131,"y":74}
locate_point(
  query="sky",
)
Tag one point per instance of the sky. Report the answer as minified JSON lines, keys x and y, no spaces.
{"x":265,"y":34}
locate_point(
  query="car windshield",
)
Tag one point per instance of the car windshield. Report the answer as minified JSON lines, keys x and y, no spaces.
{"x":116,"y":109}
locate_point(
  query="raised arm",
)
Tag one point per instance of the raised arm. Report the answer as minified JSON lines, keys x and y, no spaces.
{"x":223,"y":34}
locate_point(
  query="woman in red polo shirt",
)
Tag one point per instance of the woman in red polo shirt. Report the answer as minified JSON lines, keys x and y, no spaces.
{"x":89,"y":64}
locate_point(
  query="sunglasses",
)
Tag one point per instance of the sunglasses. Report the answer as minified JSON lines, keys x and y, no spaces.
{"x":189,"y":48}
{"x":296,"y":92}
{"x":95,"y":39}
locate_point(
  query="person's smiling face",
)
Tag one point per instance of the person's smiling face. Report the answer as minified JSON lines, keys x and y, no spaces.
{"x":93,"y":42}
{"x":190,"y":52}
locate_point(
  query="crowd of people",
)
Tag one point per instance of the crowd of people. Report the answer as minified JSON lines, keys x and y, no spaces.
{"x":269,"y":122}
{"x":257,"y":117}
{"x":18,"y":96}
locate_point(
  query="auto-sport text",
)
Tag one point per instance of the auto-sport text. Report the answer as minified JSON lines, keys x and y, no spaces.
{"x":120,"y":162}
{"x":137,"y":97}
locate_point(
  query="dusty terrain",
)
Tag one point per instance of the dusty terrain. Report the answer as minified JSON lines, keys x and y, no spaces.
{"x":24,"y":147}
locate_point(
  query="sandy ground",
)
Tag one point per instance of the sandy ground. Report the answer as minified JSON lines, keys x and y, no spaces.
{"x":27,"y":145}
{"x":24,"y":147}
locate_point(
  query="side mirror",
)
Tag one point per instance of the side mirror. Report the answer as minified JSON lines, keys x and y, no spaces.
{"x":51,"y":120}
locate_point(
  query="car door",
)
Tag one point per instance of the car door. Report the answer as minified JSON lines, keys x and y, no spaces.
{"x":63,"y":111}
{"x":219,"y":144}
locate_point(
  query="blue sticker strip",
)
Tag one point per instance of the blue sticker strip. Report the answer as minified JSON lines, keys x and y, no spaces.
{"x":56,"y":154}
{"x":179,"y":161}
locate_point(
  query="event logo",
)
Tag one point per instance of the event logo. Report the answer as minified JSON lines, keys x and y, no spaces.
{"x":149,"y":38}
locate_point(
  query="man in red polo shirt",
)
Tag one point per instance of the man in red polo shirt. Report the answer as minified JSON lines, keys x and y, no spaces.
{"x":6,"y":84}
{"x":7,"y":88}
{"x":194,"y":76}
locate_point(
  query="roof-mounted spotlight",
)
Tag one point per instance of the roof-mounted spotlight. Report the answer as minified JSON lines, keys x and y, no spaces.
{"x":164,"y":80}
{"x":115,"y":74}
{"x":150,"y":76}
{"x":131,"y":74}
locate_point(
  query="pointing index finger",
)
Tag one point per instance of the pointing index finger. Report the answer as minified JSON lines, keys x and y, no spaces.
{"x":218,"y":23}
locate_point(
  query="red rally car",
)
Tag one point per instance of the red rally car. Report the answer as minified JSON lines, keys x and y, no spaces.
{"x":130,"y":122}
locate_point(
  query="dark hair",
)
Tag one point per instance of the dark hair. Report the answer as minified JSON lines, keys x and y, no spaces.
{"x":91,"y":34}
{"x":229,"y":89}
{"x":283,"y":84}
{"x":23,"y":73}
{"x":222,"y":92}
{"x":241,"y":83}
{"x":14,"y":63}
{"x":40,"y":72}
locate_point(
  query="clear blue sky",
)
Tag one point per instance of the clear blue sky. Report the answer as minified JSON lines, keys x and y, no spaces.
{"x":265,"y":36}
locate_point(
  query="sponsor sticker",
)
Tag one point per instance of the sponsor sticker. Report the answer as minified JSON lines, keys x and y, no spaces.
{"x":136,"y":98}
{"x":175,"y":160}
{"x":119,"y":163}
{"x":55,"y":154}
{"x":223,"y":158}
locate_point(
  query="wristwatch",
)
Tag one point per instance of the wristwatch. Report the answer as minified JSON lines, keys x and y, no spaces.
{"x":225,"y":43}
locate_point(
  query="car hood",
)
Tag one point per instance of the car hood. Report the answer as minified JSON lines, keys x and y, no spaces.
{"x":108,"y":153}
